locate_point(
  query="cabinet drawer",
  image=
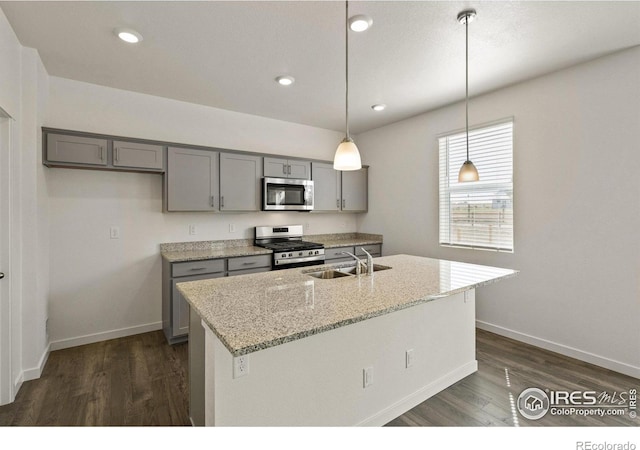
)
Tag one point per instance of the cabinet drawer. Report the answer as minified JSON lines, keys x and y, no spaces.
{"x":76,"y":150}
{"x":249,"y":262}
{"x":249,"y":271}
{"x":374,"y":249}
{"x":336,"y":253}
{"x":135,"y":155}
{"x":197,"y":267}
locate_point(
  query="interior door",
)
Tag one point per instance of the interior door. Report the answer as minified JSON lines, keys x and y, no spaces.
{"x":6,"y":384}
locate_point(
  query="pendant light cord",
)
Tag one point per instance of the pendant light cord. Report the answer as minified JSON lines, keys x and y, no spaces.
{"x":466,"y":25}
{"x":346,"y":63}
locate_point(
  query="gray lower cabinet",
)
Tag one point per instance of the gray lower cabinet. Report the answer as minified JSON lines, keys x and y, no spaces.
{"x":240,"y":187}
{"x":335,"y":255}
{"x":191,"y":181}
{"x":184,"y":325}
{"x":175,"y":309}
{"x":76,"y":150}
{"x":336,"y":190}
{"x":287,"y":168}
{"x":137,"y":155}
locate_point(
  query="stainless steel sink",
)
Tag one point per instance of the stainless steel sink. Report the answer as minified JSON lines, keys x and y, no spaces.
{"x":352,"y":269}
{"x":328,"y":274}
{"x":343,"y":272}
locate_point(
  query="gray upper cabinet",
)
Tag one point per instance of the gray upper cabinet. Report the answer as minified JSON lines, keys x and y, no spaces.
{"x":354,"y":190}
{"x":339,"y":191}
{"x":287,"y":168}
{"x":240,"y":187}
{"x":137,"y":155}
{"x":191,"y":180}
{"x":326,"y":188}
{"x":76,"y":150}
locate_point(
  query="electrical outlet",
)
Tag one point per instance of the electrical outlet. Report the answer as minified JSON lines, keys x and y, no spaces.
{"x":367,"y":377}
{"x":192,"y":229}
{"x":240,"y":366}
{"x":409,"y":358}
{"x":232,"y":228}
{"x":114,"y":232}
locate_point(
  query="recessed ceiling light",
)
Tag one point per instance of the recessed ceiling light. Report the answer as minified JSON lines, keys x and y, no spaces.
{"x":285,"y":80}
{"x":128,"y":35}
{"x":379,"y":107}
{"x":360,"y":22}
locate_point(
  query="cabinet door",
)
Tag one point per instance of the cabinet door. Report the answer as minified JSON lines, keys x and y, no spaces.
{"x":180,"y":307}
{"x":354,"y":190}
{"x":276,"y":167}
{"x":136,"y":155}
{"x":299,"y":169}
{"x":192,"y":180}
{"x":326,"y":188}
{"x":76,"y":150}
{"x":240,"y":177}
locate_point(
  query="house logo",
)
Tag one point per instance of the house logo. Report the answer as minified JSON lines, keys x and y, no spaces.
{"x":533,"y":403}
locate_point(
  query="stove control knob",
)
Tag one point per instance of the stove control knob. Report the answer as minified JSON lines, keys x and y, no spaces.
{"x":284,"y":255}
{"x":290,"y":254}
{"x":317,"y":252}
{"x":311,"y":253}
{"x":300,"y":254}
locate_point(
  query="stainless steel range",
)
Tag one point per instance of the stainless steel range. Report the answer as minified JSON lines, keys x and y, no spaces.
{"x":289,"y":250}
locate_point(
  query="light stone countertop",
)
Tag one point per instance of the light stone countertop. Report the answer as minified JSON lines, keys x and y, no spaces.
{"x":200,"y":250}
{"x":253,"y":312}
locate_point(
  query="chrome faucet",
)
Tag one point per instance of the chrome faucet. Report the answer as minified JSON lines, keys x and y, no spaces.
{"x":369,"y":261}
{"x":358,"y":262}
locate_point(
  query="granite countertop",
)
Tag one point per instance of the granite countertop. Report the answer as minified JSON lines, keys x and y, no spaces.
{"x":259,"y":311}
{"x":345,"y":239}
{"x":199,"y":250}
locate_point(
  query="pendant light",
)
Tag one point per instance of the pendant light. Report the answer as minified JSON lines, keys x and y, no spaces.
{"x":347,"y":156}
{"x":468,"y":171}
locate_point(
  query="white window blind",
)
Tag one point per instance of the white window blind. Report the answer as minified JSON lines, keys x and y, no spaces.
{"x":478,"y":214}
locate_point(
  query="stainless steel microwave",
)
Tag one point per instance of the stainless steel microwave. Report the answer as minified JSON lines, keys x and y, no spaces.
{"x":287,"y":194}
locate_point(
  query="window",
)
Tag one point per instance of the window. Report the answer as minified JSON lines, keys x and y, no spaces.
{"x":478,"y":214}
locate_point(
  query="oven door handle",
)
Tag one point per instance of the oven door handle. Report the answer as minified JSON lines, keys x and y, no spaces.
{"x":292,"y":261}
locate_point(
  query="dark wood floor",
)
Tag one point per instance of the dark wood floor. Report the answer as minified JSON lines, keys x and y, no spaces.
{"x":140,"y":380}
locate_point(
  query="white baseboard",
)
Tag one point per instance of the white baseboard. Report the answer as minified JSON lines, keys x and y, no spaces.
{"x":17,"y":384}
{"x":607,"y":363}
{"x":419,"y":396}
{"x":104,"y":336}
{"x":35,"y":372}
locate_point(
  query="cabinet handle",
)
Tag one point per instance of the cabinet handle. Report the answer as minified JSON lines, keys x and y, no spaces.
{"x":249,"y":263}
{"x":101,"y":153}
{"x":212,"y":202}
{"x":222,"y":201}
{"x":337,"y":203}
{"x":284,"y":169}
{"x":289,"y":170}
{"x":344,"y":203}
{"x":198,"y":268}
{"x":116,"y":153}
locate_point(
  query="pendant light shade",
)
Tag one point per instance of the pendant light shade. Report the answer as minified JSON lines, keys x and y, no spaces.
{"x":468,"y":171}
{"x":347,"y":156}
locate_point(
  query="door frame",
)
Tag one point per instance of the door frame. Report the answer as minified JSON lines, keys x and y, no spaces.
{"x":7,"y":387}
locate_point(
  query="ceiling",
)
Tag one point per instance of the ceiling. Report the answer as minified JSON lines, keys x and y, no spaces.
{"x":227,"y":54}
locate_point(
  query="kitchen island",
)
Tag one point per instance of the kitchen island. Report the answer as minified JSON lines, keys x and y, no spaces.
{"x":287,"y":348}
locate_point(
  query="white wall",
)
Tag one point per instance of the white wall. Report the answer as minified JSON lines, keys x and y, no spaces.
{"x":23,"y":91}
{"x":577,"y":207}
{"x":99,"y":285}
